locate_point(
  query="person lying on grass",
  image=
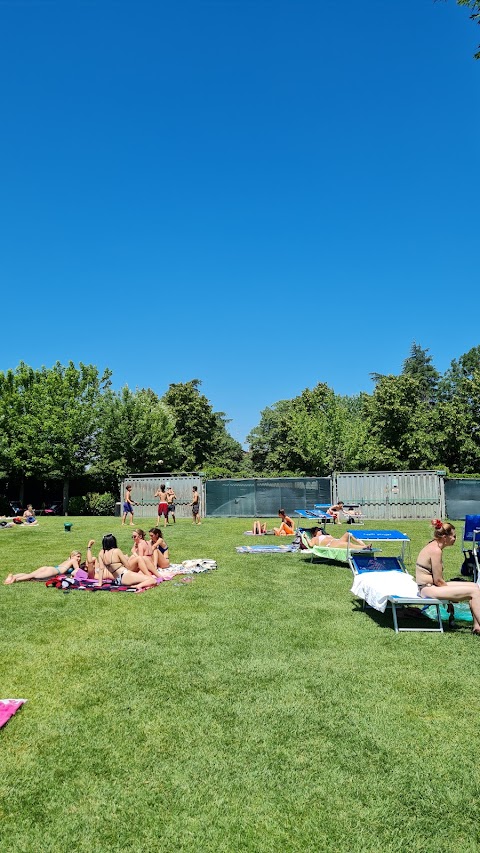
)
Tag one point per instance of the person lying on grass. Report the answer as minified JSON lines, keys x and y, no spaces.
{"x":113,"y":560}
{"x":429,"y":573}
{"x":69,"y":567}
{"x":326,"y":541}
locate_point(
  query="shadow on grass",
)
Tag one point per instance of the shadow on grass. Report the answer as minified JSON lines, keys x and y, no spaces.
{"x":408,"y":617}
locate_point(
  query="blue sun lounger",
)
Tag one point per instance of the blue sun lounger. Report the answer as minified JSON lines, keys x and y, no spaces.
{"x":471,"y":533}
{"x":384,"y":581}
{"x":313,"y":515}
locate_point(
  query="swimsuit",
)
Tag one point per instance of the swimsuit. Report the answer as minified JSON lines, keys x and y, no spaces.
{"x":117,"y":581}
{"x":423,"y":583}
{"x":163,"y":508}
{"x":196,"y":506}
{"x":127,"y":507}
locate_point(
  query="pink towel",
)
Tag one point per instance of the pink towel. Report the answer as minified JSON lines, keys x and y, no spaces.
{"x":8,"y":708}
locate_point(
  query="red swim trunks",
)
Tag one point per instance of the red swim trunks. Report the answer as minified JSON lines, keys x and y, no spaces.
{"x":163,"y":509}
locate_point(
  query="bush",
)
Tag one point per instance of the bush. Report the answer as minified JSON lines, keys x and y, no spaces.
{"x":98,"y":504}
{"x":77,"y":506}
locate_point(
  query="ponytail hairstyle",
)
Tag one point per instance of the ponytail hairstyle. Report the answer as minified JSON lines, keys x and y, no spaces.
{"x":441,"y":529}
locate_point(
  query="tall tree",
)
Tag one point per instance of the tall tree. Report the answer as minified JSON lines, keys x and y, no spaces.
{"x":419,"y":366}
{"x":137,"y":431}
{"x":201,"y":432}
{"x":50,"y":419}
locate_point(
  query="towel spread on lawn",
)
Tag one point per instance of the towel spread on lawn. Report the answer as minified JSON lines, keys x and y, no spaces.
{"x":9,"y":707}
{"x":376,"y":587}
{"x":82,"y":581}
{"x":267,"y":549}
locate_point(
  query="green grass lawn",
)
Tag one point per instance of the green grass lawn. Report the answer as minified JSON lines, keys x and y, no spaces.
{"x":253,"y":709}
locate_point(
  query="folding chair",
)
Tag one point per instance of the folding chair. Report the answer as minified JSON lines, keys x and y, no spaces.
{"x":471,"y":533}
{"x":379,"y":581}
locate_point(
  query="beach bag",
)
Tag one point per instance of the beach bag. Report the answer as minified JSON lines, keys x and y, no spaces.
{"x":468,"y":566}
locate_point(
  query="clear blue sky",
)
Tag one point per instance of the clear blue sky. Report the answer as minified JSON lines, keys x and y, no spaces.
{"x":259,"y":194}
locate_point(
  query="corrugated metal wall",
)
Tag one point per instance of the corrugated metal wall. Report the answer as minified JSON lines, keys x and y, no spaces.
{"x":263,"y":497}
{"x":393,"y":495}
{"x":144,"y":487}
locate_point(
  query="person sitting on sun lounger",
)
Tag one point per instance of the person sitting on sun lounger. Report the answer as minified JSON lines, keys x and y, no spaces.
{"x":429,"y":573}
{"x":323,"y":539}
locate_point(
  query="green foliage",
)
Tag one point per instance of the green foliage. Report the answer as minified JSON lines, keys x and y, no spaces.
{"x":201,"y":432}
{"x":77,"y":506}
{"x":137,"y":430}
{"x":100,"y":504}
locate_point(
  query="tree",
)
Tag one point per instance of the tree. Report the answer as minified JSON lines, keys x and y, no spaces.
{"x":201,"y":432}
{"x":50,"y":419}
{"x":311,"y":435}
{"x":419,"y":366}
{"x":400,"y":421}
{"x":137,"y":431}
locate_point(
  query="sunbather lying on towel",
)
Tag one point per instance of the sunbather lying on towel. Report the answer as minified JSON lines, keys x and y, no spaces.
{"x":259,"y":528}
{"x":287,"y":527}
{"x":429,"y":573}
{"x":326,"y":541}
{"x":68,"y":567}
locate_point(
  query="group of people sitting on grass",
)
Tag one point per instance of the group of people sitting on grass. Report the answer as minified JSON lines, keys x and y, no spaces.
{"x":146,"y":562}
{"x":28,"y":518}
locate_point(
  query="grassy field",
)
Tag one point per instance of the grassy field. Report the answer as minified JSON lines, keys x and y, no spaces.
{"x":253,"y":709}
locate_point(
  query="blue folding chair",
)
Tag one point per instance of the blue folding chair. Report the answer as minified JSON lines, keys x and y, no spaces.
{"x":471,"y":533}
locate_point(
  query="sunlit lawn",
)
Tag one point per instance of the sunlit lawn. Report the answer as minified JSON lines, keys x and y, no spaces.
{"x":252,"y":709}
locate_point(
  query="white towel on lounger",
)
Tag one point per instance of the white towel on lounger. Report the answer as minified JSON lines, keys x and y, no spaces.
{"x":376,"y":587}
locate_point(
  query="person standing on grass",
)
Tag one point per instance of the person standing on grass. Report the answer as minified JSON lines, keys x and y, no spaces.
{"x":128,"y":503}
{"x":195,"y":504}
{"x":162,"y":511}
{"x":429,"y":573}
{"x":171,"y":501}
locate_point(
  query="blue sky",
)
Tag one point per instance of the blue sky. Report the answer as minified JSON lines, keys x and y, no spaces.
{"x":261,"y":195}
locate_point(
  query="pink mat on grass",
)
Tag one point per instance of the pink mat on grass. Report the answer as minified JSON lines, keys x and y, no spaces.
{"x":8,"y":707}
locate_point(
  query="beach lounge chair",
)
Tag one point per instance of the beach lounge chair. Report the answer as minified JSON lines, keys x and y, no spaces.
{"x":384,"y":581}
{"x":471,"y":534}
{"x":340,"y":555}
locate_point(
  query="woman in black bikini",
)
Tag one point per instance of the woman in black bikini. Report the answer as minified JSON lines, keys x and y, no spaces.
{"x":112,"y":559}
{"x":429,"y":573}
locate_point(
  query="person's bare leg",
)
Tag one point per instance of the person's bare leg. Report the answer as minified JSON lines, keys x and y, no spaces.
{"x":458,"y":591}
{"x":43,"y":573}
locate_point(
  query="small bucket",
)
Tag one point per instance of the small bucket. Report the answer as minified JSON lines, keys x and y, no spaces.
{"x":67,"y":526}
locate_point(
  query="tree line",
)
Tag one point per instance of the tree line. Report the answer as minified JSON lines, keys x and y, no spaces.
{"x":63,"y":422}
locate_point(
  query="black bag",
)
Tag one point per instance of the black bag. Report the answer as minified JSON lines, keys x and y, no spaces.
{"x":468,"y":565}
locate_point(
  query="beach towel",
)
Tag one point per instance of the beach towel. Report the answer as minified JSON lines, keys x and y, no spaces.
{"x":9,"y":707}
{"x":83,"y":582}
{"x":377,"y":587}
{"x":267,"y":549}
